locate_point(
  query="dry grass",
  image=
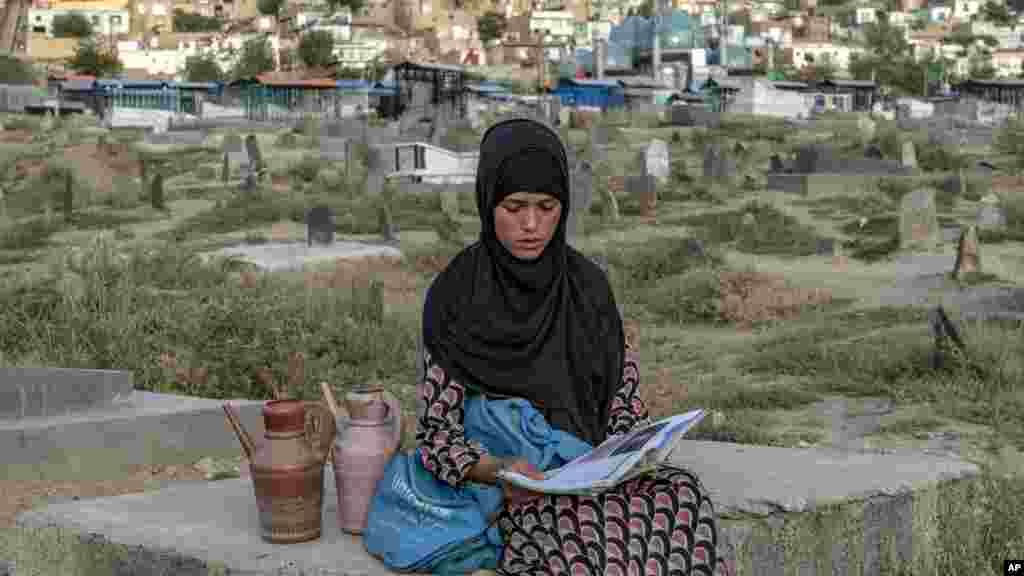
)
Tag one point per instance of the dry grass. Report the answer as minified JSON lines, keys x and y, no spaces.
{"x":748,"y":298}
{"x":398,"y":284}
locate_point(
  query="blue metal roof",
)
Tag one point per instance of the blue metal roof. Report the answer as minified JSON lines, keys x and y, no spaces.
{"x":350,"y":84}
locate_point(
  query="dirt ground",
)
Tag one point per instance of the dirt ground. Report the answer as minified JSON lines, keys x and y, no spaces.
{"x":23,"y":495}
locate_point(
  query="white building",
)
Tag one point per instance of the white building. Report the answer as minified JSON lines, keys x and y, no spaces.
{"x":171,"y":61}
{"x":965,"y":9}
{"x":105,"y":21}
{"x":940,"y":13}
{"x":864,"y":15}
{"x":560,"y":26}
{"x":427,"y":163}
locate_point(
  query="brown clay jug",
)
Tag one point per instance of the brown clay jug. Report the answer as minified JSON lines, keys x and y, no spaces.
{"x":369,"y":434}
{"x":287,"y":467}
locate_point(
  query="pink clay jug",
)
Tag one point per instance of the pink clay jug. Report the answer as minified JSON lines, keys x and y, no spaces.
{"x":369,"y":434}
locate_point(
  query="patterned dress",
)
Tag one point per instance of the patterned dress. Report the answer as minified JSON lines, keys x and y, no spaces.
{"x":661,"y":524}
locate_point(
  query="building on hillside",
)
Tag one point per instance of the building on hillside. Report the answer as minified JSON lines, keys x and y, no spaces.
{"x":106,"y":19}
{"x":603,"y":94}
{"x":964,"y":10}
{"x":863,"y":93}
{"x":940,"y":13}
{"x":555,"y":27}
{"x":430,"y":88}
{"x":801,"y":54}
{"x":1008,"y":63}
{"x":765,"y":98}
{"x":1001,"y":91}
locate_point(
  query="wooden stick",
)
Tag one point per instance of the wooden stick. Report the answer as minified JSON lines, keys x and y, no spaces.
{"x":332,"y":403}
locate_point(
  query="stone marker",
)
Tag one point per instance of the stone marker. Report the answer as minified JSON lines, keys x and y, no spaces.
{"x":825,"y":247}
{"x":320,"y":225}
{"x":991,"y":217}
{"x":156,"y":192}
{"x":873,"y":152}
{"x":375,"y":176}
{"x":655,"y":158}
{"x":581,"y":198}
{"x":235,"y":151}
{"x":776,"y":166}
{"x":919,"y":225}
{"x":908,"y":156}
{"x":252,"y":148}
{"x":968,"y":259}
{"x":717,"y":165}
{"x":695,"y":248}
{"x":644,"y":188}
{"x":46,"y":392}
{"x":388,"y":229}
{"x":748,"y":220}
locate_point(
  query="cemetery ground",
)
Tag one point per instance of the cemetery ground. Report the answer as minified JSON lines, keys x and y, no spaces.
{"x":789,"y":339}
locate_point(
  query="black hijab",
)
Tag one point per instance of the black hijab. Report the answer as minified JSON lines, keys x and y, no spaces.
{"x":547,"y":330}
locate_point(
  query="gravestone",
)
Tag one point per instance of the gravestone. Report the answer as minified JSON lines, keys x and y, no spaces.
{"x":968,"y":259}
{"x":644,"y":188}
{"x":655,"y":158}
{"x":235,"y":151}
{"x":375,"y":176}
{"x":776,"y":166}
{"x":919,"y":225}
{"x":873,"y":152}
{"x":450,"y":202}
{"x":748,"y":220}
{"x":600,"y":139}
{"x":991,"y":217}
{"x":582,"y":196}
{"x":826,"y":247}
{"x":717,"y":164}
{"x":695,"y":248}
{"x":334,"y":148}
{"x":388,"y":229}
{"x":252,"y":149}
{"x":320,"y":226}
{"x":248,"y":182}
{"x":908,"y":155}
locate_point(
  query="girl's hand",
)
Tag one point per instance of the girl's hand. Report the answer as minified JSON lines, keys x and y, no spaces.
{"x":514,"y":494}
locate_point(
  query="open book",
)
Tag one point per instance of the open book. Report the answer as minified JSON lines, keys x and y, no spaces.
{"x":616,"y":460}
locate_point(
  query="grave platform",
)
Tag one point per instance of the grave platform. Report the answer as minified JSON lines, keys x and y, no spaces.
{"x":782,"y":511}
{"x":140,"y":428}
{"x":43,"y":392}
{"x":282,"y":256}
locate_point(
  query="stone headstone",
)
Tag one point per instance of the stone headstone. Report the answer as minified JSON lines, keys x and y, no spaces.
{"x":450,"y":202}
{"x":968,"y":259}
{"x":320,"y":225}
{"x":656,"y":160}
{"x":249,"y":181}
{"x":611,"y":204}
{"x":873,"y":152}
{"x":908,"y":155}
{"x":234,"y":148}
{"x":776,"y":166}
{"x":252,"y":149}
{"x":645,"y":188}
{"x":334,"y":148}
{"x":991,"y":217}
{"x":825,"y":247}
{"x":582,"y":197}
{"x":388,"y":229}
{"x":919,"y":225}
{"x":695,"y":248}
{"x":748,"y":220}
{"x":717,"y":164}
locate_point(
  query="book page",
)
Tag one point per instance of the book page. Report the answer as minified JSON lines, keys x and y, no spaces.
{"x":610,"y":462}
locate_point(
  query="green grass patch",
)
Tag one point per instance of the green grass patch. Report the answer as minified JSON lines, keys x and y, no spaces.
{"x":29,"y":233}
{"x":772,"y":232}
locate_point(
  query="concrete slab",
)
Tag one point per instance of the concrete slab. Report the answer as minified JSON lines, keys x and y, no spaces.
{"x":201,"y":527}
{"x":41,"y":392}
{"x":782,"y":511}
{"x":277,"y":256}
{"x":145,"y":428}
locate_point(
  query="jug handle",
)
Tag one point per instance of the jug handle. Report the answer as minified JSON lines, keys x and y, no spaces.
{"x":320,"y":428}
{"x":394,"y":409}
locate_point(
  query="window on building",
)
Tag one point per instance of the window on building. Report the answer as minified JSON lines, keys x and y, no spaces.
{"x":420,"y":160}
{"x":115,"y":20}
{"x":95,"y":20}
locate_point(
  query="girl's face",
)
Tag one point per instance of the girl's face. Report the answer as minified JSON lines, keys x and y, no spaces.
{"x":525,"y":222}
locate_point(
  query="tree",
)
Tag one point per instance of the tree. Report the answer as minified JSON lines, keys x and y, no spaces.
{"x":90,"y":59}
{"x":72,"y":25}
{"x":269,"y":7}
{"x":15,"y":71}
{"x":491,"y":26}
{"x":316,"y":49}
{"x":203,"y":68}
{"x":998,"y":14}
{"x":355,"y":6}
{"x":256,"y":58}
{"x":189,"y":22}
